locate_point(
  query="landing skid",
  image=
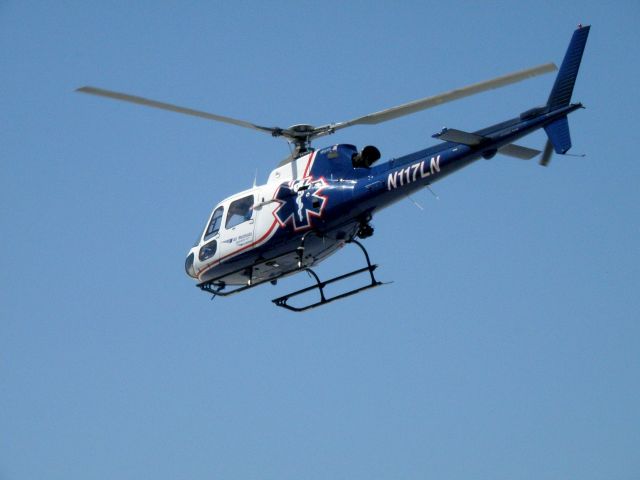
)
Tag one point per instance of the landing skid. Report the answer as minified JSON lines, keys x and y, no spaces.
{"x":219,"y":287}
{"x":282,"y":301}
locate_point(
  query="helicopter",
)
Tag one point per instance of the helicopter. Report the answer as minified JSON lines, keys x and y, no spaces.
{"x":317,"y":201}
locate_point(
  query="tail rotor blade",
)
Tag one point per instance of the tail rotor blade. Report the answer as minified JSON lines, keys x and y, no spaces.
{"x":546,"y":154}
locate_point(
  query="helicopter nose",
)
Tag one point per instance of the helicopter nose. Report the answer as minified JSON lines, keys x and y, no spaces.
{"x":188,"y":266}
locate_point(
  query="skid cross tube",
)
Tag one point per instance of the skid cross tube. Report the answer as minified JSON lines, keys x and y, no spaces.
{"x":282,"y":301}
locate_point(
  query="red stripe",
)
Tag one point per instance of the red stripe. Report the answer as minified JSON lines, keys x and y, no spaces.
{"x":306,"y":170}
{"x":217,"y":262}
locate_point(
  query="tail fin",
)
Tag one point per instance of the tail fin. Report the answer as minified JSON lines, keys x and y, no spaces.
{"x":563,"y":87}
{"x":558,"y":133}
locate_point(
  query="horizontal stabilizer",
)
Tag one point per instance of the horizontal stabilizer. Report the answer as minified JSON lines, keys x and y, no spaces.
{"x":518,"y":151}
{"x":458,"y":136}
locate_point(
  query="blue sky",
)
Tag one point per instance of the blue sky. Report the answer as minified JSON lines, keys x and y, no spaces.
{"x":506,"y":346}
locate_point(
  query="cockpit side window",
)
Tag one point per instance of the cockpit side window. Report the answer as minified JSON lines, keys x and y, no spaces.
{"x":214,"y":224}
{"x":240,"y":211}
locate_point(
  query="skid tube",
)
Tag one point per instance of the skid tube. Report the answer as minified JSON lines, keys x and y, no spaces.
{"x":282,"y":301}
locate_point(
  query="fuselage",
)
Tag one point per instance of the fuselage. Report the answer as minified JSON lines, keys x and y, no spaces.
{"x":321,"y":199}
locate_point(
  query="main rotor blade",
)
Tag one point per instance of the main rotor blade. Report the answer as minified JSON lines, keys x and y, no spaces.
{"x":428,"y":102}
{"x":172,"y":108}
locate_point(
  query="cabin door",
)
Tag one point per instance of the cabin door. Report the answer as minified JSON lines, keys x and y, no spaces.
{"x":238,"y":230}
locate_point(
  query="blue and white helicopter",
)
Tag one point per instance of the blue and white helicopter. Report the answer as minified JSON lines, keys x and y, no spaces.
{"x":317,"y":201}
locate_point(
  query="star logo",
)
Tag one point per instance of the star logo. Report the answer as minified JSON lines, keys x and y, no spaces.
{"x":300,"y":201}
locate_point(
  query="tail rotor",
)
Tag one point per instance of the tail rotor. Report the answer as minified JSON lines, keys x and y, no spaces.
{"x":546,"y":154}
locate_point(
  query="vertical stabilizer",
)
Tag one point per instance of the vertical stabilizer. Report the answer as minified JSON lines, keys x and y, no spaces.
{"x":563,"y":87}
{"x":558,"y":133}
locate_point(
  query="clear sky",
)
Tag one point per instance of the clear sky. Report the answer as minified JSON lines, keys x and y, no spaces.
{"x":506,"y":346}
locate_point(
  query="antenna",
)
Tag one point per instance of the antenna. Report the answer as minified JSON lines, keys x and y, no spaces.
{"x":420,"y":207}
{"x":432,"y":192}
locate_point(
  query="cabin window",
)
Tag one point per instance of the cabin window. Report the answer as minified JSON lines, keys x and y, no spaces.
{"x":214,"y":224}
{"x":208,"y":250}
{"x":240,"y":211}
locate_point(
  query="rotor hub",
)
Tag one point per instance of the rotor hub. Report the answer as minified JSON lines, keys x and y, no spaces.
{"x":302,"y":129}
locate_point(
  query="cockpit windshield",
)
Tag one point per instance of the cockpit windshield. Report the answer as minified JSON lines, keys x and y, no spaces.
{"x":214,"y":224}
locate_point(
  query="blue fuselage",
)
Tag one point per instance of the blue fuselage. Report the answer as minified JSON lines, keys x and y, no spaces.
{"x":359,"y":192}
